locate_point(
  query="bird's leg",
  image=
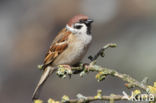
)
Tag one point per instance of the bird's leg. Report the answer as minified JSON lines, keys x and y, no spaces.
{"x":63,"y":70}
{"x":85,"y":66}
{"x":67,"y":67}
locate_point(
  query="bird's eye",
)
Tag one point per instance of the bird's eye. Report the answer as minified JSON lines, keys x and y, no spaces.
{"x":78,"y":26}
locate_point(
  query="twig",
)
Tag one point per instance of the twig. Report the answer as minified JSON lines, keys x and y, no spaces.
{"x":101,"y":51}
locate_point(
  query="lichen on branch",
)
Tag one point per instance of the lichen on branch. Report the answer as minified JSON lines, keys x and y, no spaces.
{"x":102,"y":73}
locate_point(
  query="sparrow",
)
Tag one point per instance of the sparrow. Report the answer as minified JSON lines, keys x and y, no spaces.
{"x":68,"y":47}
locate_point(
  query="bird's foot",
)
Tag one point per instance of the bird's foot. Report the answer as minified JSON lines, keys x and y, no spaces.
{"x":64,"y":70}
{"x":67,"y":67}
{"x":86,"y":66}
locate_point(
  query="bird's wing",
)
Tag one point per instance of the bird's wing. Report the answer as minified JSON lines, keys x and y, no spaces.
{"x":59,"y":44}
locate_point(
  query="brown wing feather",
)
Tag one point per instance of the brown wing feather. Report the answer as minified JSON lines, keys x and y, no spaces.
{"x":57,"y":47}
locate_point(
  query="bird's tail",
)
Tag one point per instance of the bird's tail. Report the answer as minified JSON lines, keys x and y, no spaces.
{"x":48,"y":70}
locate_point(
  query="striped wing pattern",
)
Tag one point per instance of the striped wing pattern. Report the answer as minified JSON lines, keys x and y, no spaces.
{"x":57,"y":47}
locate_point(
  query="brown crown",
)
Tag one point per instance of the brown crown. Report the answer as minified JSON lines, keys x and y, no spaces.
{"x":77,"y":18}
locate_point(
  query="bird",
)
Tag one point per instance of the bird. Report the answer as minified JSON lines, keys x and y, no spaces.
{"x":68,"y":48}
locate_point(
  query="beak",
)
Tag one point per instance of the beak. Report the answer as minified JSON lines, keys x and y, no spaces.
{"x":89,"y":21}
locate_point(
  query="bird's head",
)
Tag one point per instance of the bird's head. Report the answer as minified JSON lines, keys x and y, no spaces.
{"x":79,"y":24}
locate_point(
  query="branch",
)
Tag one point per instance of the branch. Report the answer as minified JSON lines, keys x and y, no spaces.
{"x":91,"y":99}
{"x":102,"y":73}
{"x":84,"y":99}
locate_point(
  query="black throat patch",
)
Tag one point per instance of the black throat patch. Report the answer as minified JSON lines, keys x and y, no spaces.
{"x":89,"y":27}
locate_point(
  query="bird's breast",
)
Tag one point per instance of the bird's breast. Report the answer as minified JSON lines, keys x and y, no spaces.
{"x":74,"y":52}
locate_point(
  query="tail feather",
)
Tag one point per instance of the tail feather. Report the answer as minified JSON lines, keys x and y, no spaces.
{"x":48,"y":70}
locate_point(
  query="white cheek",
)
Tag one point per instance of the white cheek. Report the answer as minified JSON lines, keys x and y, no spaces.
{"x":83,"y":30}
{"x":71,"y":29}
{"x":77,"y":31}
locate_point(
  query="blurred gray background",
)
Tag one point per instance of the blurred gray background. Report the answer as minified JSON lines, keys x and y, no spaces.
{"x":27,"y":27}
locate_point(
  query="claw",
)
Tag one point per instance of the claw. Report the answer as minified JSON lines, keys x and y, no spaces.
{"x":86,"y":66}
{"x":63,"y":70}
{"x":68,"y":67}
